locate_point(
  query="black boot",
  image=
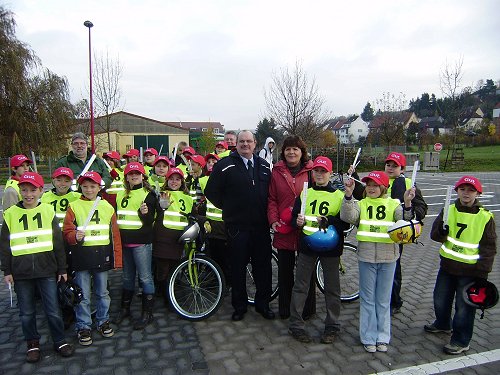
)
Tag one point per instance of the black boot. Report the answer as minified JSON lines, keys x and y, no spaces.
{"x":147,"y":312}
{"x":125,"y":306}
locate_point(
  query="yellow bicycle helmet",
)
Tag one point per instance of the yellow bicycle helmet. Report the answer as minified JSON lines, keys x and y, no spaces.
{"x":403,"y":232}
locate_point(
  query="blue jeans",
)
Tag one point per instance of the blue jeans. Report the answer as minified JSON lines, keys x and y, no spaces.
{"x":447,"y":288}
{"x":25,"y":291}
{"x":375,"y":286}
{"x":138,"y":259}
{"x":82,"y":310}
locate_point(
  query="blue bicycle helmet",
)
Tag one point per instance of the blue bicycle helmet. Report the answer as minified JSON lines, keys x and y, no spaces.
{"x":323,"y":240}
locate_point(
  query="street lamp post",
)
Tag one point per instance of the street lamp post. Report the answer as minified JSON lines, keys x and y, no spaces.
{"x":89,"y":25}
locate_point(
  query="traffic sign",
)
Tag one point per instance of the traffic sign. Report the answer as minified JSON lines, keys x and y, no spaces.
{"x":438,"y":147}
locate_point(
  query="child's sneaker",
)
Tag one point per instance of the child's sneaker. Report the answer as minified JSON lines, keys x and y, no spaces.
{"x":455,"y":349}
{"x":431,"y":328}
{"x":370,"y":348}
{"x":300,"y":335}
{"x":33,"y":352}
{"x":381,"y":347}
{"x":328,"y":335}
{"x":65,"y":350}
{"x":105,"y":330}
{"x":84,"y":337}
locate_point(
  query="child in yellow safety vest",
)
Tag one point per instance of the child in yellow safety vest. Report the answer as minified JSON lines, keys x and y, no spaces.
{"x":160,"y":169}
{"x":61,"y":195}
{"x":32,"y":254}
{"x":136,"y":209}
{"x":19,"y":164}
{"x":377,"y":253}
{"x":467,"y":252}
{"x":175,"y":203}
{"x":395,"y":166}
{"x":322,"y":207}
{"x":91,"y":232}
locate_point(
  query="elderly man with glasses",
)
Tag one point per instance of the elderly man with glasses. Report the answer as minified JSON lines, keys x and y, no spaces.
{"x":79,"y":156}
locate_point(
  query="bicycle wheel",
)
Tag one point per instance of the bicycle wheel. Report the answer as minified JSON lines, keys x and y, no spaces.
{"x":200,"y":298}
{"x":251,"y":281}
{"x":348,"y":273}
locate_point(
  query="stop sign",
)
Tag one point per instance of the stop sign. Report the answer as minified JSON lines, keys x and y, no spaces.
{"x":438,"y":146}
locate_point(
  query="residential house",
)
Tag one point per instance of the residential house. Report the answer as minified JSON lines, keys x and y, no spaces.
{"x":404,"y":118}
{"x":496,"y":111}
{"x":470,"y":119}
{"x":431,"y":125}
{"x":357,"y":129}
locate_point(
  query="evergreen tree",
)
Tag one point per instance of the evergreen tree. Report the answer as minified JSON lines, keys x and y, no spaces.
{"x":367,"y":114}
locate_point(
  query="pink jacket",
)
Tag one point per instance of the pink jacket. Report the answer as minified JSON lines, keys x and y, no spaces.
{"x":283,"y":190}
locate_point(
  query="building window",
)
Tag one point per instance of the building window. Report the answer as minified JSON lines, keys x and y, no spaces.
{"x":204,"y":129}
{"x":216,"y":130}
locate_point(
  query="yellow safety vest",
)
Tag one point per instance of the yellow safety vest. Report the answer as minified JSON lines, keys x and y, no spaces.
{"x":213,"y":213}
{"x":30,"y":229}
{"x":128,"y":208}
{"x":60,"y":203}
{"x":391,"y":180}
{"x":320,"y":203}
{"x":466,"y":230}
{"x":15,"y":185}
{"x":180,"y":204}
{"x":376,"y":216}
{"x":224,"y":154}
{"x":148,"y":169}
{"x":98,"y":229}
{"x":117,"y":184}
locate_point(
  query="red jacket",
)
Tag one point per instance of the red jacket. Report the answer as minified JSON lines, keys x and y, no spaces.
{"x":283,"y":190}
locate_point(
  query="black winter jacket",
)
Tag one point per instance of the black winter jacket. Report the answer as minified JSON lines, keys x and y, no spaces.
{"x":243,"y":200}
{"x":418,"y":204}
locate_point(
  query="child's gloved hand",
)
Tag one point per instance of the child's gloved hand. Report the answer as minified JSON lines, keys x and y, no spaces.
{"x":164,"y":200}
{"x":322,"y":223}
{"x":444,"y":229}
{"x":114,"y":174}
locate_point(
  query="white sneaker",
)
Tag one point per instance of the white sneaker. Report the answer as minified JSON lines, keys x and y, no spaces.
{"x":370,"y":348}
{"x":381,"y":347}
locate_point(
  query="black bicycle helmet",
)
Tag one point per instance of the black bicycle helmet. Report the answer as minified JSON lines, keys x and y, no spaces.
{"x":481,"y":294}
{"x":69,"y":293}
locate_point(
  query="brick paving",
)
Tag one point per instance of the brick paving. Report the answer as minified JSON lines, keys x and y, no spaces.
{"x":258,"y":346}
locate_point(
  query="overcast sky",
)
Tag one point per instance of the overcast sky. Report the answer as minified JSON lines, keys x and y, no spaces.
{"x":194,"y":60}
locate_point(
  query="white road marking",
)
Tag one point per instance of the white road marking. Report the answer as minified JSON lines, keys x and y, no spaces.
{"x":454,"y":363}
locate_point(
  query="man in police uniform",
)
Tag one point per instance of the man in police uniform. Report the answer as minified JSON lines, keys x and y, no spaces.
{"x":239,"y":185}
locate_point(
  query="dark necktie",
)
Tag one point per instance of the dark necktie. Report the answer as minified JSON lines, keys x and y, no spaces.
{"x":250,"y":168}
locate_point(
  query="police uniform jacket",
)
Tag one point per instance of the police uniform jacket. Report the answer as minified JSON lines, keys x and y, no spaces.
{"x":243,"y":200}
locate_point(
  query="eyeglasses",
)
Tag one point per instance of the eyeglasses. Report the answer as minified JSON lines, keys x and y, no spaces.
{"x":79,"y":143}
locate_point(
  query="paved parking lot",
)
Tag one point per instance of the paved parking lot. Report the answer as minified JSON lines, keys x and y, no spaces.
{"x":255,"y":345}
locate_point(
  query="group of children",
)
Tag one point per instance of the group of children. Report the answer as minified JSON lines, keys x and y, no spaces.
{"x":81,"y":235}
{"x":139,"y":222}
{"x":467,"y":253}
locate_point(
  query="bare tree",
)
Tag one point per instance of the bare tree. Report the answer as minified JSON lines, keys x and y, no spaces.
{"x":388,"y":125}
{"x":293,"y":101}
{"x":450,"y":81}
{"x":106,"y":89}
